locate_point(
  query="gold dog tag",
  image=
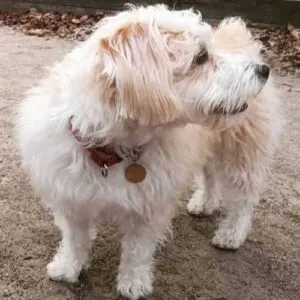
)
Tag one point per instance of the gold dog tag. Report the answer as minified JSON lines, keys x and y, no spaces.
{"x":135,"y":173}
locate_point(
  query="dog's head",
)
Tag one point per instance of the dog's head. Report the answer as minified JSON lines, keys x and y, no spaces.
{"x":225,"y":76}
{"x":158,"y":66}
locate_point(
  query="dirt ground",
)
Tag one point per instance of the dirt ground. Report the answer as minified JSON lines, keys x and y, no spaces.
{"x":266,"y":267}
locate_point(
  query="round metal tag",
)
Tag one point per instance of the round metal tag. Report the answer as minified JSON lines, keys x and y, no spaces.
{"x":135,"y":173}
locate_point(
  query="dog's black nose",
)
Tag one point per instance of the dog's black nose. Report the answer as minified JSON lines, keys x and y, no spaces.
{"x":263,"y":71}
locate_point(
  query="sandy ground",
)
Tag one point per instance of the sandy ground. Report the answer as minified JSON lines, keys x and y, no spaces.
{"x":266,"y":267}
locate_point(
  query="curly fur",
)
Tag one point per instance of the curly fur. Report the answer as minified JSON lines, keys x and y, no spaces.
{"x":136,"y":82}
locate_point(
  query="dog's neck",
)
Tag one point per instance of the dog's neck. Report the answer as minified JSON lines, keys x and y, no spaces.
{"x":123,"y":138}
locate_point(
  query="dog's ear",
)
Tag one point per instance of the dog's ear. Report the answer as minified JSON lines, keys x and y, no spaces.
{"x":136,"y":62}
{"x":232,"y":34}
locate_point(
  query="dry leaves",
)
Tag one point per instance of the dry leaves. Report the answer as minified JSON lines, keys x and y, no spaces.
{"x":282,"y":45}
{"x":67,"y":25}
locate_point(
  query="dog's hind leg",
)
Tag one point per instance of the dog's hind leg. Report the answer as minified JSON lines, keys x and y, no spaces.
{"x":72,"y":254}
{"x":206,"y":197}
{"x":138,"y":247}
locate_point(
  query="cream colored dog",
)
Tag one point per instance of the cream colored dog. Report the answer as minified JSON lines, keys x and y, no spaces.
{"x":122,"y":126}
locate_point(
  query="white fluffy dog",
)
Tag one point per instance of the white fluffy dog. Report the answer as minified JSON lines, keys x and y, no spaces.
{"x":153,"y":102}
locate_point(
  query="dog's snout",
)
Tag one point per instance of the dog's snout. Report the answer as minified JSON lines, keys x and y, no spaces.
{"x":263,"y":71}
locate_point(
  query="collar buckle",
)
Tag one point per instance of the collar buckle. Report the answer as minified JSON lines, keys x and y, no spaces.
{"x":104,"y":170}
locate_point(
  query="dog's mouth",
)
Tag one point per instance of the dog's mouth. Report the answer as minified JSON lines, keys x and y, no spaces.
{"x":221,"y":110}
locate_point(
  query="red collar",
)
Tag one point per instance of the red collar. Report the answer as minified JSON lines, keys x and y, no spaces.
{"x":102,"y":156}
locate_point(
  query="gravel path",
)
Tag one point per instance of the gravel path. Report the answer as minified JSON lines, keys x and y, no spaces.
{"x":267,"y":267}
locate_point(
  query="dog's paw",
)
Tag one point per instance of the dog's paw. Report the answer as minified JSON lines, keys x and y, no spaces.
{"x":228,"y":239}
{"x":135,"y":286}
{"x":63,"y":270}
{"x":200,"y":207}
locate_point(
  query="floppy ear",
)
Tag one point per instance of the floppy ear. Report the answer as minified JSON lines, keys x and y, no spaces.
{"x":136,"y":62}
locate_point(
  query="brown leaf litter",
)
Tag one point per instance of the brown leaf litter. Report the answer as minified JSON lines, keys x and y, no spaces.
{"x":281,"y":44}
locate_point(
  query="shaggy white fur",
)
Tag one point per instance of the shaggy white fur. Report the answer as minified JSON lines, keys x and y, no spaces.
{"x":195,"y":101}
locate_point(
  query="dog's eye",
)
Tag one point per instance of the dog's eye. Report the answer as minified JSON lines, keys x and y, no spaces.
{"x":201,"y":58}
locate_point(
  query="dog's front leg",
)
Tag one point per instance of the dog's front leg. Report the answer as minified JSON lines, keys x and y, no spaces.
{"x":234,"y":227}
{"x":206,"y":197}
{"x":72,"y":254}
{"x":138,"y":246}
